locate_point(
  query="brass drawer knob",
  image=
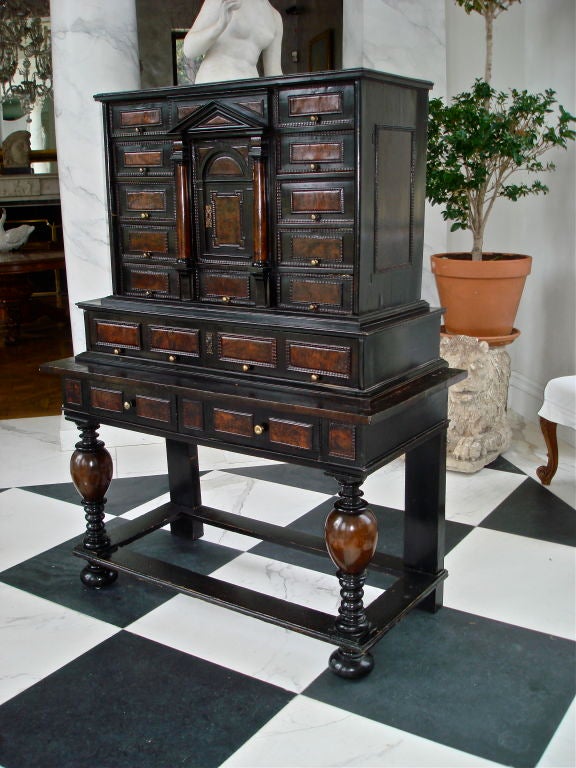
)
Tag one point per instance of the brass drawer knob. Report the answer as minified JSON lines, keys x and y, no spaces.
{"x":315,"y":377}
{"x":140,"y":129}
{"x":226,"y":299}
{"x":246,"y":367}
{"x":313,"y":307}
{"x":143,"y":170}
{"x":148,"y":293}
{"x":314,"y":167}
{"x":314,"y":262}
{"x":315,"y":217}
{"x":147,"y":254}
{"x":172,"y":358}
{"x":144,"y":215}
{"x":259,"y":429}
{"x":314,"y":119}
{"x":128,"y":404}
{"x":117,"y":351}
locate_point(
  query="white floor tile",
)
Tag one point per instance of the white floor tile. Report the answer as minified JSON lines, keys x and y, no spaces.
{"x":514,"y":579}
{"x":135,"y":460}
{"x":472,"y":497}
{"x":288,"y":582}
{"x":31,"y":523}
{"x":311,"y":734}
{"x":247,"y":645}
{"x":561,"y":751}
{"x":214,"y":458}
{"x":38,"y":637}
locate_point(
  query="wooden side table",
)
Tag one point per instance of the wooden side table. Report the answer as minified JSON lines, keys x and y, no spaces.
{"x":16,"y":286}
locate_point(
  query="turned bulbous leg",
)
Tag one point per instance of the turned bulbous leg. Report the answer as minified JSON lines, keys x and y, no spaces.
{"x":91,"y":470}
{"x":351,"y":536}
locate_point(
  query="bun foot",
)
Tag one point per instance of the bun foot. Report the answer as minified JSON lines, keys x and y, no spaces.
{"x":96,"y":577}
{"x":351,"y":665}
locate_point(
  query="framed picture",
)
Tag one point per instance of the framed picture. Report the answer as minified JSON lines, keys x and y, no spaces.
{"x":321,"y":51}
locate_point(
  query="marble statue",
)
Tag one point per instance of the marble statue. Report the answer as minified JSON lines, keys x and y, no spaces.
{"x":479,"y":430}
{"x":231,"y":35}
{"x":16,"y":150}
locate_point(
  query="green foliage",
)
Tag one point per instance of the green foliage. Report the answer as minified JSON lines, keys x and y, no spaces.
{"x":485,"y":7}
{"x":481,"y":138}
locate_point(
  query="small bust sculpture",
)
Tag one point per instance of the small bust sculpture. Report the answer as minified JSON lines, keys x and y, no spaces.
{"x":231,"y":35}
{"x":16,"y":151}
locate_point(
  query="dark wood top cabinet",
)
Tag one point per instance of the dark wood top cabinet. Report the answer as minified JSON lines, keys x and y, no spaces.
{"x":266,"y":246}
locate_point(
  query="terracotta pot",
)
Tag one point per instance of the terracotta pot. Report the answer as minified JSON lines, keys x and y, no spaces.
{"x":480,"y":298}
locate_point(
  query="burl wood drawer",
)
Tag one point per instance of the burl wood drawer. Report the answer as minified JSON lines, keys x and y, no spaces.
{"x":145,"y":202}
{"x":154,"y":283}
{"x":148,"y":242}
{"x":133,"y":406}
{"x":246,"y":351}
{"x":114,"y":335}
{"x":264,"y":429}
{"x":316,"y":107}
{"x":315,"y":293}
{"x":321,"y":361}
{"x":317,"y":249}
{"x":323,"y":152}
{"x":225,"y":287}
{"x":138,"y":119}
{"x":252,"y":105}
{"x":316,"y":201}
{"x":145,"y":158}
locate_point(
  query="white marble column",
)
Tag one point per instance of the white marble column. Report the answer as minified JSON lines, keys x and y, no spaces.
{"x":403,"y":37}
{"x":94,"y":50}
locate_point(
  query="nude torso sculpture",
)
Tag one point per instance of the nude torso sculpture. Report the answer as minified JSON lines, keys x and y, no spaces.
{"x":231,"y":35}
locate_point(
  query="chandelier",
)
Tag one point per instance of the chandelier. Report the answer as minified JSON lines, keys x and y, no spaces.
{"x":25,"y":56}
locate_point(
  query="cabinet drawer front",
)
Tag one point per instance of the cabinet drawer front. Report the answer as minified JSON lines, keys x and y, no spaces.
{"x":319,"y":358}
{"x":326,"y":152}
{"x":317,"y":201}
{"x":332,"y":248}
{"x":233,"y":422}
{"x":252,"y":105}
{"x":224,"y":287}
{"x":265,"y":430}
{"x":146,"y":201}
{"x":138,"y":119}
{"x":315,"y":293}
{"x":316,"y":107}
{"x":181,"y":341}
{"x":109,"y":333}
{"x":148,"y":242}
{"x":134,"y":406}
{"x":150,"y":283}
{"x":291,"y":433}
{"x":249,"y":350}
{"x":142,"y":159}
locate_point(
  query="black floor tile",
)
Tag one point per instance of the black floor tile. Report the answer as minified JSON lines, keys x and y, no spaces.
{"x":125,"y":493}
{"x":534,"y":511}
{"x":480,"y":686}
{"x":308,"y":478}
{"x":132,"y":703}
{"x":504,"y":466}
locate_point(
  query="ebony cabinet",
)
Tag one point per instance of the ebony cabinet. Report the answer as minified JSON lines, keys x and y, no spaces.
{"x":266,"y":247}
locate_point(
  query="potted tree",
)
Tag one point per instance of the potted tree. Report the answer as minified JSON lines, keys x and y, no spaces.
{"x":478,"y":143}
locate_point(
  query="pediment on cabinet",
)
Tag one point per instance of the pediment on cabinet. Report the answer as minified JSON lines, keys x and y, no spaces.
{"x":215,"y":116}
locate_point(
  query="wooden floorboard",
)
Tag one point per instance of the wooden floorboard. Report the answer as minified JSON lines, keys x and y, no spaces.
{"x":24,"y":392}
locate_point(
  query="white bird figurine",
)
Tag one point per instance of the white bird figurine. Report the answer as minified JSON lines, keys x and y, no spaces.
{"x":13,"y":238}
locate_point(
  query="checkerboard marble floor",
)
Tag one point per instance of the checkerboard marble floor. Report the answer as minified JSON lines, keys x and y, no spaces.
{"x":138,"y":676}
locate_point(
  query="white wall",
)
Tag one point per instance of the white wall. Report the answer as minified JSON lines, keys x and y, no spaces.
{"x":534,"y":48}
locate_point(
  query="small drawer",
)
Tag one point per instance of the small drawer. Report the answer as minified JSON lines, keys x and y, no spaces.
{"x":265,"y":430}
{"x":315,"y":293}
{"x":152,"y":283}
{"x":138,"y":407}
{"x":316,"y":107}
{"x":146,"y":202}
{"x":317,"y":249}
{"x":138,"y":119}
{"x":225,"y":287}
{"x":247,"y":351}
{"x":173,"y":343}
{"x":142,"y":159}
{"x":253,"y":106}
{"x":148,"y":242}
{"x":328,"y":152}
{"x":319,"y":360}
{"x":317,"y":202}
{"x":115,"y":335}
